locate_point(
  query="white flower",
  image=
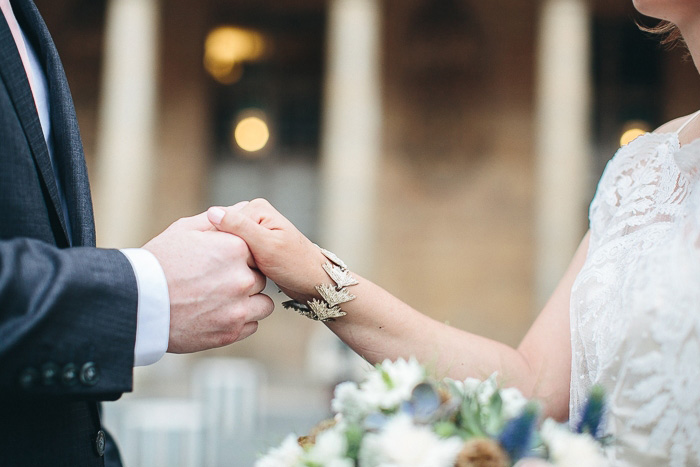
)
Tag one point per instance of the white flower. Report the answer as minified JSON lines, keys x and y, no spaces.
{"x":288,"y":454}
{"x":470,"y":386}
{"x":392,"y":383}
{"x":567,"y":449}
{"x":513,"y":402}
{"x":383,"y":389}
{"x":486,"y":389}
{"x":466,"y":388}
{"x":349,"y":401}
{"x":329,"y":450}
{"x":402,"y":444}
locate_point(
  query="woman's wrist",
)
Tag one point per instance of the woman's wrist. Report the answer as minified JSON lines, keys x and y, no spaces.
{"x":325,"y":289}
{"x":301,"y":281}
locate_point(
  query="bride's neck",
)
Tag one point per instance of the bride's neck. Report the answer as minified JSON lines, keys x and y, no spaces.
{"x":691,"y":34}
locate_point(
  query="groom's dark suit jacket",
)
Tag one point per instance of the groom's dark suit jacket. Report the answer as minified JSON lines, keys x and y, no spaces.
{"x":67,"y":309}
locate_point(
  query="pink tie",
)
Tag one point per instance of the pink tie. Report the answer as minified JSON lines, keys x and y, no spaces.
{"x":17,"y":34}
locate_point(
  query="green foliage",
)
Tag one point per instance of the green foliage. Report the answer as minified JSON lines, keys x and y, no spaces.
{"x":354,"y":435}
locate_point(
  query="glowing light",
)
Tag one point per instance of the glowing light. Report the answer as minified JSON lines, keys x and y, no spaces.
{"x":226,"y":48}
{"x":251,"y":133}
{"x":630,"y":135}
{"x":632,"y":130}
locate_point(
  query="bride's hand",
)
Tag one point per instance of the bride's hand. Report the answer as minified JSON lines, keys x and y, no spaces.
{"x":280,"y":251}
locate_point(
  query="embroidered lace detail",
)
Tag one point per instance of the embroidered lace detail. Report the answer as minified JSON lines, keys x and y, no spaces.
{"x":635,"y":306}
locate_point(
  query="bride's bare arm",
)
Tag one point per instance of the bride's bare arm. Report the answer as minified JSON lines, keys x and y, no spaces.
{"x":379,"y":325}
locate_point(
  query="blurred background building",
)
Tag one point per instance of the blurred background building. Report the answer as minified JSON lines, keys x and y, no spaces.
{"x":446,"y":149}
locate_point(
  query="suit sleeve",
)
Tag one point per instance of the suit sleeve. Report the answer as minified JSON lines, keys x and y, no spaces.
{"x":67,"y":321}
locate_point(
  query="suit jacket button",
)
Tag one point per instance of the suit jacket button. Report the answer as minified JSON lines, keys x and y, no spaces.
{"x":29,"y":378}
{"x":70,"y":374}
{"x":50,"y":372}
{"x":89,"y":374}
{"x":100,"y":443}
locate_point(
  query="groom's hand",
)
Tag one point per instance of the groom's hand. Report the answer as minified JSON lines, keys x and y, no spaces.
{"x":213,"y":284}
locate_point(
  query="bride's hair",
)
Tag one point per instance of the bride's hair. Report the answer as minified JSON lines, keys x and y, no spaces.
{"x":669,"y":31}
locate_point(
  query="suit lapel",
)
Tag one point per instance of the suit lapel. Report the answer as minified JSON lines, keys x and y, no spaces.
{"x":15,"y":78}
{"x":68,"y":147}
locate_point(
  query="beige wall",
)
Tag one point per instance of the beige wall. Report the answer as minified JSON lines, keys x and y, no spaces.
{"x":457,"y":190}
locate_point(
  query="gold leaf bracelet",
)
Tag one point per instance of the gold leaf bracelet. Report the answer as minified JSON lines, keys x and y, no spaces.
{"x":333,"y":296}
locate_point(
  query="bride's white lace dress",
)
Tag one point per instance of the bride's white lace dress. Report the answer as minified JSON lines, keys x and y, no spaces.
{"x":635,"y":306}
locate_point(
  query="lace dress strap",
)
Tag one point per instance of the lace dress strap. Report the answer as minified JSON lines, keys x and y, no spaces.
{"x":687,"y":122}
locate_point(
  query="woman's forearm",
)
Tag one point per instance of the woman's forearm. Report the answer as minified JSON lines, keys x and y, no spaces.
{"x":380,"y":326}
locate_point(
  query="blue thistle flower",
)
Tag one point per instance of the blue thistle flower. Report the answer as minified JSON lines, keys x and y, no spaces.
{"x":593,"y":411}
{"x":424,"y":403}
{"x":517,"y":436}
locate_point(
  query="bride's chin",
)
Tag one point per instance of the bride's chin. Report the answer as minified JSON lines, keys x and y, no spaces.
{"x":674,"y":11}
{"x":646,"y":7}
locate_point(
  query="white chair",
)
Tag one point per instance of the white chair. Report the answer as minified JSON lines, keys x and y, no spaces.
{"x":161,"y":433}
{"x":229,"y":392}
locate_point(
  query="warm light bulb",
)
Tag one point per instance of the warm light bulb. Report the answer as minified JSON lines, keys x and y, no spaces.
{"x":251,"y":134}
{"x":630,"y":135}
{"x":226,"y":47}
{"x":633,"y":129}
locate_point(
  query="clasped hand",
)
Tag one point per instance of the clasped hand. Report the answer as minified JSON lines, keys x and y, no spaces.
{"x":214,"y":286}
{"x":281,"y":251}
{"x":215,"y":265}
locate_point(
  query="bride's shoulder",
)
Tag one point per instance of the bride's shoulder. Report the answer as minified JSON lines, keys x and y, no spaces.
{"x":674,"y":125}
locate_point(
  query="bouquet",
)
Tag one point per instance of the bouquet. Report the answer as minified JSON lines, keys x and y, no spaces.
{"x":398,"y":416}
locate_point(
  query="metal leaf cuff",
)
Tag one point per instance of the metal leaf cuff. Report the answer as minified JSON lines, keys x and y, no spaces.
{"x":328,"y":309}
{"x":324,"y":312}
{"x":333,"y":296}
{"x":333,"y":258}
{"x":341,"y":277}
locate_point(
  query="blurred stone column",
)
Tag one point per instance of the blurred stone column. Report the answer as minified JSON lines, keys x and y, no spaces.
{"x":563,"y":137}
{"x":127,"y":123}
{"x":351,"y":131}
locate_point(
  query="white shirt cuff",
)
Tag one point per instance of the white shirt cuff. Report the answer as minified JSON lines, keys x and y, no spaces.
{"x":153,"y":315}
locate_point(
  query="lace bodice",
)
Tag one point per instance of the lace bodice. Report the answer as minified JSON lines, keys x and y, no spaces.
{"x":635,"y":305}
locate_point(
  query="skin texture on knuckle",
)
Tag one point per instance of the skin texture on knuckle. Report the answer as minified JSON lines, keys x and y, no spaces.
{"x":261,"y":306}
{"x":250,"y":329}
{"x":269,"y":304}
{"x":243,"y":284}
{"x":238,"y":248}
{"x":260,"y":203}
